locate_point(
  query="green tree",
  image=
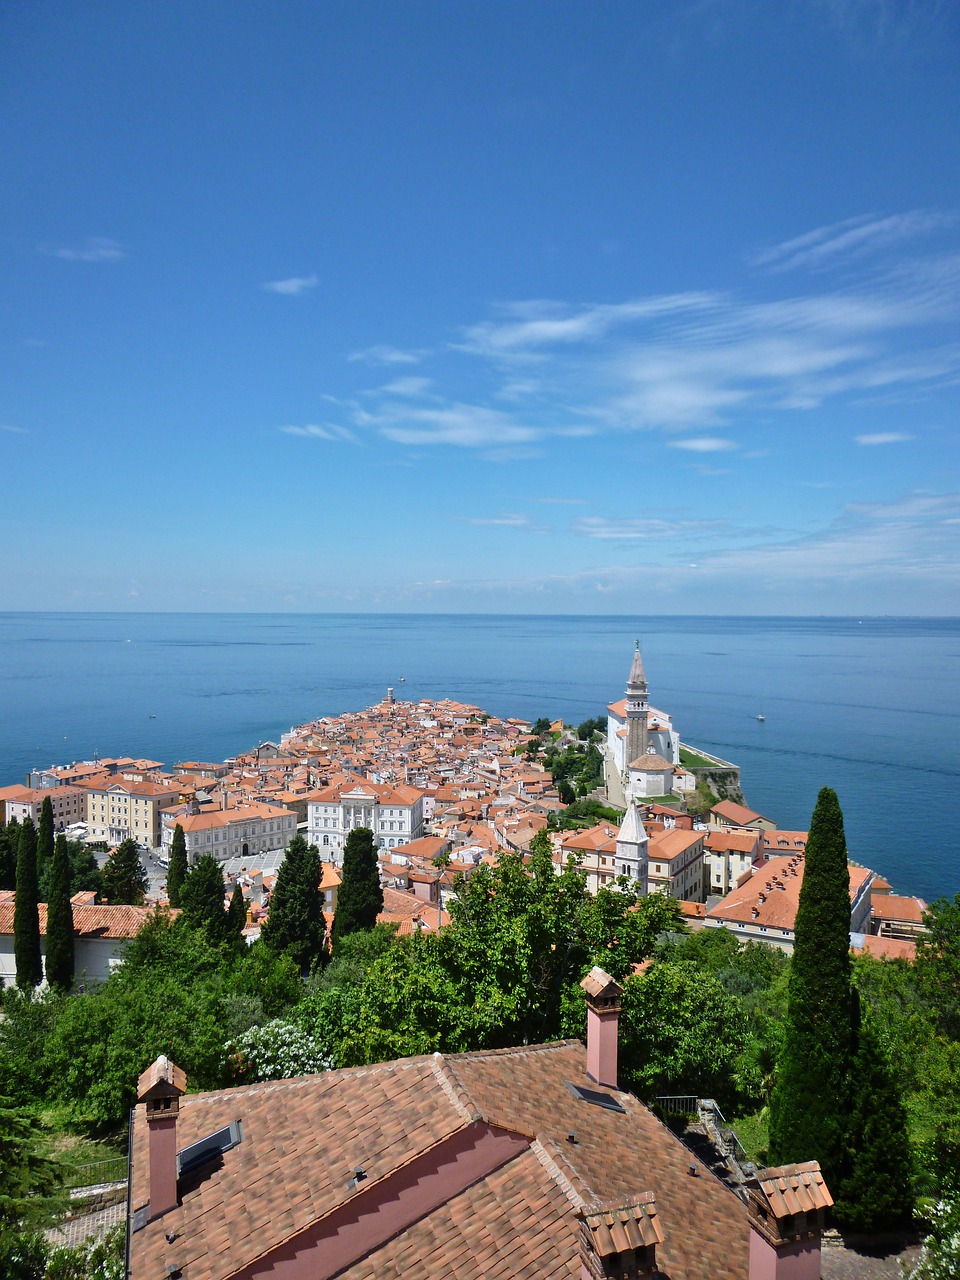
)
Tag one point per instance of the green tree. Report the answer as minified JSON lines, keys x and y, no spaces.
{"x":810,"y":1102}
{"x":45,"y":845}
{"x":201,"y":898}
{"x":29,"y":1186}
{"x":84,"y":869}
{"x":26,"y":913}
{"x":177,"y":870}
{"x":9,"y":848}
{"x":295,"y":925}
{"x":360,"y":897}
{"x":876,"y":1192}
{"x":124,"y":875}
{"x":938,"y":963}
{"x":237,"y":913}
{"x":60,"y":937}
{"x":681,"y":1033}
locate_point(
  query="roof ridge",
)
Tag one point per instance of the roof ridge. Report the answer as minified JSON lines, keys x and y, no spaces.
{"x":455,"y":1089}
{"x":564,"y":1181}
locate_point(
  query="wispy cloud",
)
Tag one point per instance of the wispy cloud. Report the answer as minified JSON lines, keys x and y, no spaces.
{"x":514,"y":521}
{"x":704,"y":444}
{"x":93,"y":249}
{"x":19,"y":431}
{"x":467,"y":425}
{"x":330,"y":431}
{"x":407,"y":386}
{"x":884,"y":437}
{"x":381,"y":353}
{"x":693,"y":365}
{"x":643,"y":528}
{"x":852,"y":238}
{"x":292,"y":286}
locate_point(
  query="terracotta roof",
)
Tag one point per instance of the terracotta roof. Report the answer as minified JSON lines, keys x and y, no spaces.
{"x":794,"y":1188}
{"x":650,"y":763}
{"x":738,"y":814}
{"x":887,"y":948}
{"x":282,"y":1188}
{"x":890,"y":906}
{"x":101,"y":921}
{"x":622,"y":1228}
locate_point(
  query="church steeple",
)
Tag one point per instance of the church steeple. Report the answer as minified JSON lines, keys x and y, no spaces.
{"x":637,"y":711}
{"x":637,"y":683}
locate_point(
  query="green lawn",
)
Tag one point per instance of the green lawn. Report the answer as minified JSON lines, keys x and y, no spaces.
{"x":690,"y":760}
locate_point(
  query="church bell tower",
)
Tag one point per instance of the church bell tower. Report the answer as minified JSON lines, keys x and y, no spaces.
{"x":638,"y":708}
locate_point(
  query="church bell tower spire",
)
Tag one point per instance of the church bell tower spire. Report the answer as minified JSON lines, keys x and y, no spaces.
{"x":638,"y":708}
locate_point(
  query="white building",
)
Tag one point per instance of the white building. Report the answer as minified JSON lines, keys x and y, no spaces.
{"x":393,"y":814}
{"x":635,"y":730}
{"x":100,"y":932}
{"x":244,"y":830}
{"x":633,"y":848}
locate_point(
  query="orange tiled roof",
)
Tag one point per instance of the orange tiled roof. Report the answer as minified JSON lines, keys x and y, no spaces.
{"x":101,"y":921}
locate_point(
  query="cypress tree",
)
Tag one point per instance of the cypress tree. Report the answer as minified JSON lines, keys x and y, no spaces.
{"x":178,"y":866}
{"x":59,"y":952}
{"x":45,"y":846}
{"x":876,"y":1192}
{"x":360,"y":897}
{"x":26,"y":914}
{"x":295,"y":925}
{"x":9,"y":849}
{"x":201,"y":898}
{"x":809,"y":1106}
{"x":124,"y":875}
{"x":236,"y":913}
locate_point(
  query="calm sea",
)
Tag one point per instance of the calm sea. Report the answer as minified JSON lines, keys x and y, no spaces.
{"x":870,"y":707}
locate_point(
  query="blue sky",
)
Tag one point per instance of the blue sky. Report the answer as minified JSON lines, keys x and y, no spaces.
{"x":446,"y":306}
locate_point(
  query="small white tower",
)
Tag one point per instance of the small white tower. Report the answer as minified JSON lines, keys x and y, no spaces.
{"x":632,"y":846}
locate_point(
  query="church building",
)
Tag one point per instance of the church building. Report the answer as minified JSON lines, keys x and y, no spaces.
{"x":643,"y":748}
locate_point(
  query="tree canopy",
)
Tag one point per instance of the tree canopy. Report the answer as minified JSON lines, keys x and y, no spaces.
{"x":360,"y":897}
{"x":810,"y":1103}
{"x":26,"y":914}
{"x":201,"y":898}
{"x":177,"y":870}
{"x":295,"y":925}
{"x":60,"y":938}
{"x":124,"y":877}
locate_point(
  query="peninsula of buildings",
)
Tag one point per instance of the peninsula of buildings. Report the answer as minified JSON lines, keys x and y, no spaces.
{"x":445,"y":786}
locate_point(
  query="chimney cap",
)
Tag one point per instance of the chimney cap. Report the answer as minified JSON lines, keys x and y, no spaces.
{"x":162,"y":1079}
{"x":598,"y":984}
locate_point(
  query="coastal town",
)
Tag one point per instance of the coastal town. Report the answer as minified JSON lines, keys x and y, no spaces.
{"x":446,"y":787}
{"x":434,"y":1124}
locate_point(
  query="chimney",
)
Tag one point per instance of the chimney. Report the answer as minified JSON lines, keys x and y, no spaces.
{"x":619,"y":1240}
{"x":160,"y":1088}
{"x":786,"y":1207}
{"x":603,"y":1019}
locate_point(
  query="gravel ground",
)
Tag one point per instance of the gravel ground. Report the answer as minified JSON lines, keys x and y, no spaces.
{"x":859,"y":1260}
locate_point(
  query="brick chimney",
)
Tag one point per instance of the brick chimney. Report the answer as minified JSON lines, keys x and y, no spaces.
{"x":619,"y":1240}
{"x":787,"y":1207}
{"x":603,"y":1020}
{"x":160,"y":1088}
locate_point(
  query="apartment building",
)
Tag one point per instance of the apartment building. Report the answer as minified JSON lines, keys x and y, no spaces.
{"x":69,"y":804}
{"x":675,"y":865}
{"x":243,"y":830}
{"x":119,"y":810}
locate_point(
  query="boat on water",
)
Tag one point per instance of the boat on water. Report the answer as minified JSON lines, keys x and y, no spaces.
{"x":761,"y":717}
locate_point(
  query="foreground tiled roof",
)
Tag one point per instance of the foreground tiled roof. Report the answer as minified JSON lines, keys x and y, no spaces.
{"x":100,"y":921}
{"x":303,"y":1140}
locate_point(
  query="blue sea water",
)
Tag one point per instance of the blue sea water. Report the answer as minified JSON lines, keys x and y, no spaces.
{"x":870,"y":707}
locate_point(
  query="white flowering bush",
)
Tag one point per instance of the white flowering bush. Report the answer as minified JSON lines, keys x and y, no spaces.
{"x":940,"y":1256}
{"x":276,"y":1051}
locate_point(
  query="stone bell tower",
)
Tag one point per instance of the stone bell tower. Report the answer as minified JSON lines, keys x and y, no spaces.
{"x":638,"y":709}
